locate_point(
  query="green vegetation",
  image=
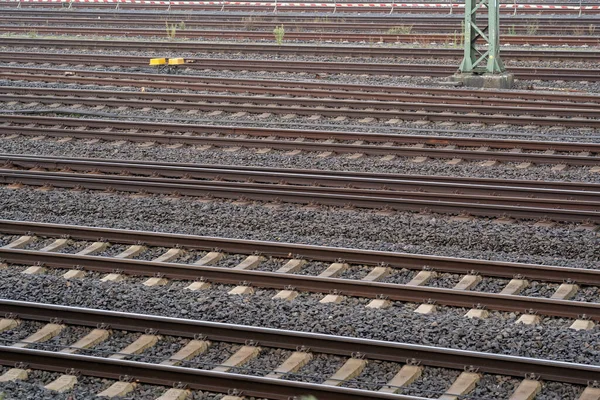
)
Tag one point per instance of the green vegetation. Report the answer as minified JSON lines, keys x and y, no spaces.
{"x":279,"y":33}
{"x":457,"y":39}
{"x":581,"y":30}
{"x":532,"y":28}
{"x":173,"y":28}
{"x":249,"y":22}
{"x":400,"y":30}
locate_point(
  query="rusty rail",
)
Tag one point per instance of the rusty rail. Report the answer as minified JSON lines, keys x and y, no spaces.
{"x":305,"y":88}
{"x":565,"y":26}
{"x":283,"y":8}
{"x":484,"y":206}
{"x":330,"y":344}
{"x":313,"y":284}
{"x":380,"y":37}
{"x":379,"y":143}
{"x":320,"y":253}
{"x":395,"y":19}
{"x":345,"y":50}
{"x":268,"y":65}
{"x":192,"y":378}
{"x":48,"y":127}
{"x":572,"y":191}
{"x":469,"y":110}
{"x":273,"y":280}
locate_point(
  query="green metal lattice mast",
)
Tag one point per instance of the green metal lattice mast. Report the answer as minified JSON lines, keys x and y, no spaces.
{"x":484,"y":57}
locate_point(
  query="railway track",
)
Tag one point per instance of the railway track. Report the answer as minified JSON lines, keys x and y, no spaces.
{"x":370,"y":283}
{"x":534,"y":73}
{"x":299,"y":88}
{"x":383,"y":26}
{"x":429,"y":108}
{"x":330,"y":8}
{"x":421,"y":183}
{"x":489,"y":201}
{"x":383,"y":37}
{"x":201,"y":334}
{"x":251,"y":17}
{"x":284,"y":270}
{"x":516,"y":188}
{"x":564,"y":27}
{"x":473,"y":149}
{"x":300,"y":49}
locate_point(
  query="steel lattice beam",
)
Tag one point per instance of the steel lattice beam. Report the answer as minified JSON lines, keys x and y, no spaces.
{"x":482,"y":57}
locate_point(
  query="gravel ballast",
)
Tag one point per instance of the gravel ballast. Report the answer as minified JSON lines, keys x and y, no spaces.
{"x":433,"y":234}
{"x":86,"y":388}
{"x":404,"y":232}
{"x":447,"y":328}
{"x":306,"y":160}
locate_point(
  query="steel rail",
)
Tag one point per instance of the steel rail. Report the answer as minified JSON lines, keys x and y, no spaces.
{"x":572,"y":27}
{"x":295,"y":66}
{"x":500,"y":269}
{"x":412,"y":98}
{"x":434,"y":103}
{"x":168,"y":376}
{"x":384,"y":149}
{"x":282,"y":7}
{"x":389,"y":18}
{"x":300,"y":88}
{"x":571,"y":117}
{"x":293,"y":176}
{"x":379,"y":3}
{"x":343,"y":50}
{"x":563,"y":26}
{"x":384,"y":37}
{"x":305,"y":283}
{"x":489,"y":196}
{"x":337,"y":148}
{"x":268,"y":337}
{"x":520,"y":188}
{"x":380,"y":109}
{"x":506,"y":144}
{"x":253,"y":64}
{"x":481,"y":206}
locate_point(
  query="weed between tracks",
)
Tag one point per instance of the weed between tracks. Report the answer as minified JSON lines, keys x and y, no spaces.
{"x":456,"y":39}
{"x":532,"y":28}
{"x":400,"y":30}
{"x":581,"y":30}
{"x":249,"y":22}
{"x":279,"y":33}
{"x":173,"y":28}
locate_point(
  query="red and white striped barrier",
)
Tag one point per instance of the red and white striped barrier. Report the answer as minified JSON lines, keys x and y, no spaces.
{"x":304,"y":5}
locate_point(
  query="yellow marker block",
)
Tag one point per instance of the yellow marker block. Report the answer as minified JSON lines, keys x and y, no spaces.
{"x":176,"y":61}
{"x":158,"y":61}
